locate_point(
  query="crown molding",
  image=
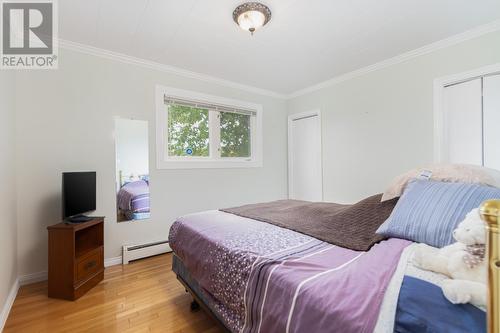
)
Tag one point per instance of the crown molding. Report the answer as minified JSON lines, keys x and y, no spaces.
{"x":107,"y":54}
{"x":456,"y":39}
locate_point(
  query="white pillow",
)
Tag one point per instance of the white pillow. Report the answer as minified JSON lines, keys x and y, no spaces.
{"x":453,"y":173}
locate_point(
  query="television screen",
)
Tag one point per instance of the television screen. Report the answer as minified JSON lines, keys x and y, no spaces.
{"x":79,"y":193}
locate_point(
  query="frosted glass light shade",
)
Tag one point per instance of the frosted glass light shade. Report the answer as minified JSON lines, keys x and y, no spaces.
{"x":251,"y":20}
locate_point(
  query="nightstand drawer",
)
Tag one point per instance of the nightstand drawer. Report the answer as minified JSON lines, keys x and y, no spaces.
{"x":89,"y":264}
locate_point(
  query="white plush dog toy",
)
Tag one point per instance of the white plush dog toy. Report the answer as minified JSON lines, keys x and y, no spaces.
{"x":463,"y":262}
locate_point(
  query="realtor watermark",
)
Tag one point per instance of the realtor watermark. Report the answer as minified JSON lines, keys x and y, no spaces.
{"x":29,"y":37}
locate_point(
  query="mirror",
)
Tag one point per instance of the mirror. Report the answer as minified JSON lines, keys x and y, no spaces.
{"x":132,"y":169}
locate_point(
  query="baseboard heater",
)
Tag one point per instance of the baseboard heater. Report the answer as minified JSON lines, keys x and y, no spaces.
{"x":139,"y":251}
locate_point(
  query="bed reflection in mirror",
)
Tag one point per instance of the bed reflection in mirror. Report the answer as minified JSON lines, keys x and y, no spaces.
{"x":132,"y":169}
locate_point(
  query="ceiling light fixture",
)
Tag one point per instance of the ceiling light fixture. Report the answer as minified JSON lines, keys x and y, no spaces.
{"x":250,"y":16}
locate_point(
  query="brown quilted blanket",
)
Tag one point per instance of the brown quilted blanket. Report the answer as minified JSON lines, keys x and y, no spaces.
{"x":349,"y":226}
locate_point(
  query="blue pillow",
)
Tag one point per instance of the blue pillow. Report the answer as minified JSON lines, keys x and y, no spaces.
{"x":429,"y":211}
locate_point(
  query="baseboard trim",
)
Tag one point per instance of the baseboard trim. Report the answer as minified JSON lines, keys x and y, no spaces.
{"x":8,"y":304}
{"x":33,"y":278}
{"x":43,"y":275}
{"x":113,"y":261}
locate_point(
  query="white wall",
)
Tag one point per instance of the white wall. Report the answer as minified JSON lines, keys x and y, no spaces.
{"x":8,"y":228}
{"x":65,"y":122}
{"x":379,"y":125}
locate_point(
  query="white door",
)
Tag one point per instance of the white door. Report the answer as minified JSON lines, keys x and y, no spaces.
{"x":305,"y":178}
{"x":491,"y":109}
{"x":463,"y":123}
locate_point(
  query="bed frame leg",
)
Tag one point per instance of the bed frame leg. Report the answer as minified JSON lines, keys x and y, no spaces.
{"x":194,"y":306}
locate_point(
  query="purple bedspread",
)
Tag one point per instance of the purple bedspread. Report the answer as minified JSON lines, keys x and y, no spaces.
{"x":263,"y":278}
{"x":134,"y":197}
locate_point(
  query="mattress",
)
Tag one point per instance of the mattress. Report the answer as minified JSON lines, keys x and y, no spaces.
{"x":133,"y":197}
{"x":257,"y":277}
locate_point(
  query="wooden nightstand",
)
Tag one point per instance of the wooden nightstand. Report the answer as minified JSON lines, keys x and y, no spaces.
{"x":76,"y":258}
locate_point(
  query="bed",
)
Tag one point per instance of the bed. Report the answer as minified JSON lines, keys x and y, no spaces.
{"x":254,"y":276}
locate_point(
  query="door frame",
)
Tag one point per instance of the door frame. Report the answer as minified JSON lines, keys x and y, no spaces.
{"x":298,"y":116}
{"x":439,"y":85}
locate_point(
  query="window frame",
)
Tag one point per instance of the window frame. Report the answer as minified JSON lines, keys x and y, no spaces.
{"x":214,"y":160}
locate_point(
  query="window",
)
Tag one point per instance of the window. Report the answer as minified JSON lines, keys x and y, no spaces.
{"x":202,"y":131}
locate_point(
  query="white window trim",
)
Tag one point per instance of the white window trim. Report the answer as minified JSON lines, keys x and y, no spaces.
{"x":440,"y":142}
{"x":163,"y":161}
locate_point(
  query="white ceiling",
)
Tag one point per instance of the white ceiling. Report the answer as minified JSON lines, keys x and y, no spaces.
{"x":305,"y":43}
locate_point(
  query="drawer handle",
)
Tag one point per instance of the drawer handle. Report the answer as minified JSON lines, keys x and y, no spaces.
{"x":90,"y":264}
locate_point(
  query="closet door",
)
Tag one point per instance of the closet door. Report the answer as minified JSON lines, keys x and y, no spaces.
{"x":491,"y":109}
{"x":463,"y":123}
{"x":305,"y":160}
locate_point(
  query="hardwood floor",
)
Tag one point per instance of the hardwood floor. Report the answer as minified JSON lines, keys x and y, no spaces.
{"x":143,"y":296}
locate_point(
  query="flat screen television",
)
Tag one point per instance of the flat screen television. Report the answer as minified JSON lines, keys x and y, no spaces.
{"x":78,"y":195}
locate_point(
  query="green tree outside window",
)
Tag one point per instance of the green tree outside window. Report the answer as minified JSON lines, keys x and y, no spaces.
{"x":235,"y":135}
{"x":188,"y":133}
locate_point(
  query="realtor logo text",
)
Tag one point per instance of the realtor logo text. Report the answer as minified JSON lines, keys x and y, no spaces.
{"x":29,"y":35}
